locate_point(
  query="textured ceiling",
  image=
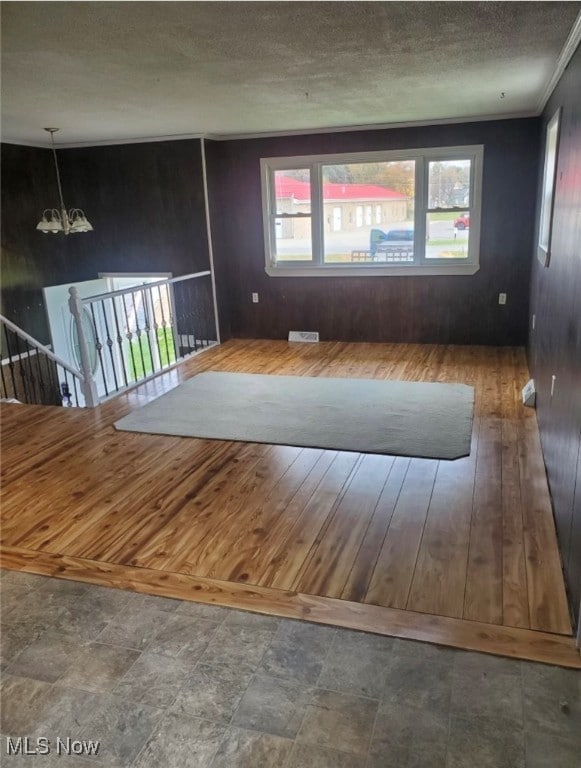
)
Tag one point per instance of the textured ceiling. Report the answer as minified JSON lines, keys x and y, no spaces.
{"x":121,"y":71}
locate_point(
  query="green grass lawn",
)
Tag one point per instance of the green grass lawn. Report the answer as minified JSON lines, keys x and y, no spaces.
{"x":444,"y":215}
{"x":139,"y":363}
{"x":448,"y":241}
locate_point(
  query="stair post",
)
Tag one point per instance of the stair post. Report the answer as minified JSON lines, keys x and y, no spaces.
{"x":88,"y":386}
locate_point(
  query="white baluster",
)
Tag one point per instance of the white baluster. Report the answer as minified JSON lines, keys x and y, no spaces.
{"x":88,"y":387}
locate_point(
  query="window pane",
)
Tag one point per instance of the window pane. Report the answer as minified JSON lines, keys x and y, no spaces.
{"x":449,"y":183}
{"x":292,"y":190}
{"x":447,"y":235}
{"x":293,"y":240}
{"x":368,"y":212}
{"x":548,"y":183}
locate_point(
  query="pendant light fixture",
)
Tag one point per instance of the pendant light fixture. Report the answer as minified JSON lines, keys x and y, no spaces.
{"x":58,"y":219}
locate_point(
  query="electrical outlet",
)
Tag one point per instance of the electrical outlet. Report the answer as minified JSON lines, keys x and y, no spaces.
{"x":255,"y":298}
{"x":502,"y":298}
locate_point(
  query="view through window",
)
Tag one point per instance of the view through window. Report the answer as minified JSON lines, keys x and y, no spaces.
{"x":385,"y":211}
{"x":292,"y":222}
{"x":447,"y":228}
{"x":361,"y":203}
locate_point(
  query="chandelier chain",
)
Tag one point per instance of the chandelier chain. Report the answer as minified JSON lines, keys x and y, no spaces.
{"x":52,"y":132}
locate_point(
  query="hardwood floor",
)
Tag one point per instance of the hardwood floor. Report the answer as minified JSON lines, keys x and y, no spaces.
{"x":386,"y":539}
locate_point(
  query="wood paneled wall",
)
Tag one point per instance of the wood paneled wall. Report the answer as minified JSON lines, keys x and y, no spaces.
{"x":146,"y":204}
{"x":455,"y":309}
{"x":555,"y":343}
{"x":145,"y":201}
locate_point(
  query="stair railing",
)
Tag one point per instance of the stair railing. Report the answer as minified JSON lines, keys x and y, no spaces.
{"x":128,"y":336}
{"x":119,"y":339}
{"x":31,"y":373}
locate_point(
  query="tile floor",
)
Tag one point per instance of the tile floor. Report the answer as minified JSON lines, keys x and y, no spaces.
{"x":163,"y":683}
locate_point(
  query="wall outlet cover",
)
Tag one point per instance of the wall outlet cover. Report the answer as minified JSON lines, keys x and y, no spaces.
{"x":311,"y":336}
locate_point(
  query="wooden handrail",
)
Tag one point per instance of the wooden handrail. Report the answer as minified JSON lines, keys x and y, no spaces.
{"x":41,"y":348}
{"x":134,"y":288}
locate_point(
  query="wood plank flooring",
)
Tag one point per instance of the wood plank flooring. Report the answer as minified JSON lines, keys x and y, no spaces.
{"x":469,"y":635}
{"x":472,"y":540}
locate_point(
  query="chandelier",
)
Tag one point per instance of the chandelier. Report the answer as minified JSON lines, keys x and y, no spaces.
{"x":59,"y":219}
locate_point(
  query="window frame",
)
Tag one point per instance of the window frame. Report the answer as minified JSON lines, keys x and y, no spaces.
{"x":548,"y":189}
{"x":421,"y":265}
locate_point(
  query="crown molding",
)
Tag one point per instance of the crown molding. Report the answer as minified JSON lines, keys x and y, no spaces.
{"x":105,"y":142}
{"x":25,"y":143}
{"x":569,"y":48}
{"x":374,"y":126}
{"x":136,"y":140}
{"x":274,"y":134}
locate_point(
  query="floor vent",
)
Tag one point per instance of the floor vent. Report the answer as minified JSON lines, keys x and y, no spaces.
{"x":303,"y":336}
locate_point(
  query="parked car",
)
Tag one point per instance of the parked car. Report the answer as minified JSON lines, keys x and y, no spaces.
{"x":386,"y":242}
{"x":462,"y":222}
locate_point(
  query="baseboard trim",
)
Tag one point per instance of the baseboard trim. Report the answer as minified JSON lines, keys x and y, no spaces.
{"x":526,"y":644}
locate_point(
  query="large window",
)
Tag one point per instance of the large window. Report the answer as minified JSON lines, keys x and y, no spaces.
{"x":378,"y":213}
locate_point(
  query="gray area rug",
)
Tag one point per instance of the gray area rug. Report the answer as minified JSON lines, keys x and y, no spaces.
{"x":405,"y":418}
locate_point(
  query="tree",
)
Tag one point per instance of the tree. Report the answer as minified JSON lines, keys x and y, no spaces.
{"x":398,"y":175}
{"x":449,"y":183}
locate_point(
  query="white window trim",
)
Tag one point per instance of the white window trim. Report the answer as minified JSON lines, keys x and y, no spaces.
{"x":421,"y":266}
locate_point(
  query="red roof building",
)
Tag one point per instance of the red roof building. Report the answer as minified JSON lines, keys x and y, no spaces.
{"x":346,"y":207}
{"x":287,"y":187}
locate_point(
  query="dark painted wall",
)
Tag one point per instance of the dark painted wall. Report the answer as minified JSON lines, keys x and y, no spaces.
{"x":555,"y":344}
{"x":221,"y":222}
{"x":145,"y":202}
{"x":447,"y":309}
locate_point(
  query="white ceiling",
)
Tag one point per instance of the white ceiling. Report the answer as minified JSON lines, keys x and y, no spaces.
{"x":116,"y":71}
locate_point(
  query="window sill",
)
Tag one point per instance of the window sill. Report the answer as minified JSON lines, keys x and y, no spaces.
{"x":373,"y":271}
